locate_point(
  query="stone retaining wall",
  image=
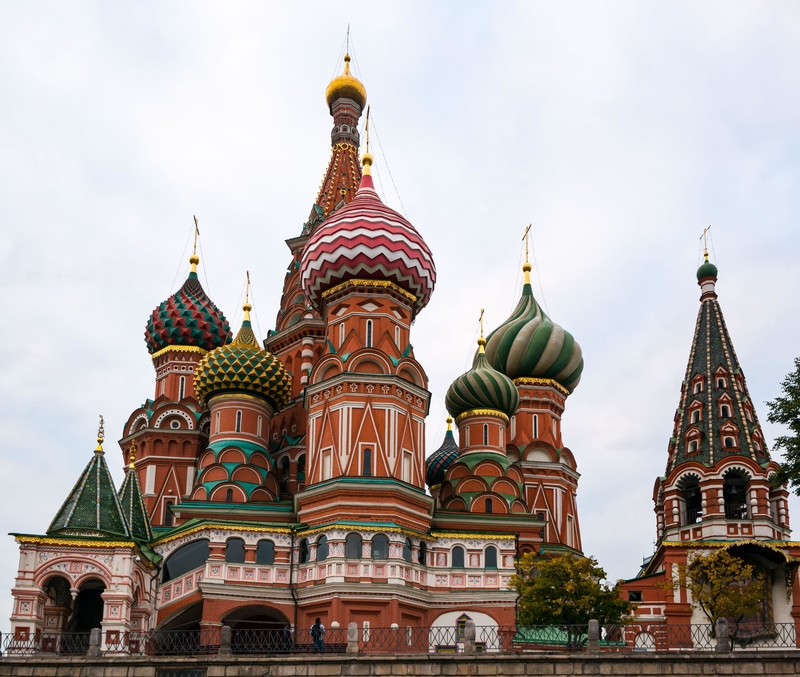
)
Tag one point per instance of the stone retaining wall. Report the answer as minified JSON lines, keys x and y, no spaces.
{"x":763,"y":664}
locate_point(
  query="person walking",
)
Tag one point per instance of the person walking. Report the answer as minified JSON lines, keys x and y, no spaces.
{"x":317,"y":633}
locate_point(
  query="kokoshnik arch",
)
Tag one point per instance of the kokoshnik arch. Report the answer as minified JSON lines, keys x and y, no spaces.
{"x":271,"y":483}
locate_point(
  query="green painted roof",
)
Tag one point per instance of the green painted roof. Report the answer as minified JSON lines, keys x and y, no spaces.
{"x":707,"y":270}
{"x":92,"y":507}
{"x":130,"y":496}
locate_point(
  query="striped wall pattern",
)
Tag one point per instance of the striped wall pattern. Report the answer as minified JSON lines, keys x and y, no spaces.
{"x":367,"y":240}
{"x":530,"y":344}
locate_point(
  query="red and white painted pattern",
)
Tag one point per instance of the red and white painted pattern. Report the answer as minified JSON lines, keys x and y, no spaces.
{"x":367,"y":240}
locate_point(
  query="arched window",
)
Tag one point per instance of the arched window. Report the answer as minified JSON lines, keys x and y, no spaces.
{"x":734,"y":492}
{"x":696,"y":416}
{"x":260,"y":425}
{"x":301,"y":467}
{"x":488,"y":505}
{"x":725,"y":411}
{"x":407,"y":550}
{"x":692,"y":446}
{"x":698,"y":387}
{"x":185,"y":559}
{"x":490,"y":557}
{"x":422,"y":555}
{"x":730,"y":442}
{"x":397,"y":336}
{"x":265,"y":552}
{"x":341,"y":334}
{"x":457,"y":557}
{"x":304,"y":551}
{"x":238,"y":421}
{"x":369,"y":333}
{"x":216,"y":424}
{"x":229,"y":495}
{"x":367,"y":462}
{"x":352,"y":546}
{"x":692,"y":499}
{"x":486,"y":433}
{"x":181,"y":388}
{"x":168,"y":517}
{"x":535,"y":426}
{"x":234,"y":551}
{"x":322,"y":548}
{"x":380,"y":547}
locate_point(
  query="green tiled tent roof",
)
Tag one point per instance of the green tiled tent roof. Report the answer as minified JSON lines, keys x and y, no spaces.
{"x":130,"y":496}
{"x":92,"y":507}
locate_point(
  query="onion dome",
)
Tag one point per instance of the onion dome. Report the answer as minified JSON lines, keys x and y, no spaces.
{"x":187,"y":318}
{"x":366,"y":241}
{"x":345,"y":86}
{"x":439,"y":461}
{"x":530,"y":345}
{"x":482,"y":387}
{"x":707,"y":269}
{"x":243,"y":366}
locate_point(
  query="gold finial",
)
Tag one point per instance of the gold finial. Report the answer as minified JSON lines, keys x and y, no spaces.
{"x":132,"y":455}
{"x":449,"y":424}
{"x":704,"y":238}
{"x":481,"y":340}
{"x":247,"y":307}
{"x":366,"y":159}
{"x":526,"y":267}
{"x":194,"y":259}
{"x":101,"y":435}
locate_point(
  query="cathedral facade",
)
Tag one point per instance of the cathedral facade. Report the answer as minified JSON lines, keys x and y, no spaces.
{"x":274,"y":480}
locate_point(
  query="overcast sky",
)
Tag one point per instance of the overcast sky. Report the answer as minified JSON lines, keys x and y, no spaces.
{"x":619,"y":130}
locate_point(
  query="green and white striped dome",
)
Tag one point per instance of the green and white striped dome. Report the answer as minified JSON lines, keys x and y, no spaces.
{"x":530,"y":345}
{"x":482,"y":388}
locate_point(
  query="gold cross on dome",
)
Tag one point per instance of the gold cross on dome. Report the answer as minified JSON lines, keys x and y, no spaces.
{"x":704,"y":238}
{"x":480,"y":319}
{"x":525,"y":237}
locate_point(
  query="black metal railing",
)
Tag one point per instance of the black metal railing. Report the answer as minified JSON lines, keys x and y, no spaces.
{"x":692,"y":516}
{"x":58,"y":643}
{"x":736,"y":511}
{"x":762,"y":635}
{"x":635,"y":637}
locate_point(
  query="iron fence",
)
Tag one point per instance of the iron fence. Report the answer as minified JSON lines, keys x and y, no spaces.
{"x":180,"y":643}
{"x":276,"y":641}
{"x":635,"y":637}
{"x":762,"y":635}
{"x":58,"y":643}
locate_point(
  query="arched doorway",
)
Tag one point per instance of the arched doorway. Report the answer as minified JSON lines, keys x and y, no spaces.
{"x":185,"y":620}
{"x":259,"y":629}
{"x":87,"y":611}
{"x":59,"y":602}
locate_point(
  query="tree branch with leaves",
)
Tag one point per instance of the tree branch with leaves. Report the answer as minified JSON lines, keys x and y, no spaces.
{"x":786,"y":411}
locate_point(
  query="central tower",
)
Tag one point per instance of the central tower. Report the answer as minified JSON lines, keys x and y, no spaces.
{"x":368,"y":272}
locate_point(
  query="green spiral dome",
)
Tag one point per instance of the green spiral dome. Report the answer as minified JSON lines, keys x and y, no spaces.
{"x":243,"y":366}
{"x":482,"y":388}
{"x":530,"y":345}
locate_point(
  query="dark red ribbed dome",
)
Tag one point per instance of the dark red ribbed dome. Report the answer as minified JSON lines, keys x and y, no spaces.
{"x":187,"y":318}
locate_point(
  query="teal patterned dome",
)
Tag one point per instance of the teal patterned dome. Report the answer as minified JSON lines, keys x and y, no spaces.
{"x":530,"y":345}
{"x":482,"y":388}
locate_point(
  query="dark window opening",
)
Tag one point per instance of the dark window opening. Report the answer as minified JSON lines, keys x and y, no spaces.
{"x":407,"y":550}
{"x":488,"y":505}
{"x":490,"y":557}
{"x":229,"y":496}
{"x":234,"y":551}
{"x":265,"y":552}
{"x":458,"y":557}
{"x":367,"y":471}
{"x":185,"y":559}
{"x":322,"y":548}
{"x":303,"y":551}
{"x":422,"y":555}
{"x":380,"y":547}
{"x":168,"y":516}
{"x":635,"y":596}
{"x":352,"y":546}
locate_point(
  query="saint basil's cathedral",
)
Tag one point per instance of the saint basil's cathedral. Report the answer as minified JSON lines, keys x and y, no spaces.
{"x":269,"y":483}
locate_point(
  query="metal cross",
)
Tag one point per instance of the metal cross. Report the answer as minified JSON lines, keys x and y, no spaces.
{"x":480,"y":319}
{"x":704,"y":237}
{"x":525,"y":237}
{"x":196,"y":235}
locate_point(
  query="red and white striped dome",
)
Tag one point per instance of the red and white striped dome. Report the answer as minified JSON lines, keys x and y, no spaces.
{"x":367,"y":240}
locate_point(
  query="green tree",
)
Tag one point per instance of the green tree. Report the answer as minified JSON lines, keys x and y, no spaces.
{"x":566,"y":592}
{"x":722,"y":586}
{"x":786,"y":410}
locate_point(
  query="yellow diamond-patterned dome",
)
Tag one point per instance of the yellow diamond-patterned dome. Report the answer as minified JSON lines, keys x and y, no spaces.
{"x":243,"y":366}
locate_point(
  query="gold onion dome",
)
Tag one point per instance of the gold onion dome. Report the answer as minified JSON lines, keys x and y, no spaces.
{"x":482,"y":387}
{"x":243,"y":366}
{"x":346,"y":86}
{"x":530,"y":345}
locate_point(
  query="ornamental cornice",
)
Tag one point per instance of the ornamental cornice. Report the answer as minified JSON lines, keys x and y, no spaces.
{"x":178,"y":349}
{"x":220,"y":527}
{"x":66,"y":542}
{"x":482,"y":412}
{"x":455,"y":534}
{"x":237,"y":396}
{"x":365,"y":528}
{"x":377,"y":284}
{"x":771,"y":545}
{"x":547,"y":382}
